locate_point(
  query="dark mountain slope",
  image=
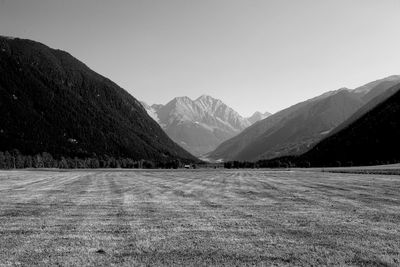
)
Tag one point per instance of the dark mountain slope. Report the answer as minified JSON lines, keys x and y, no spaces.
{"x":294,"y":130}
{"x":371,"y":90}
{"x":309,"y":124}
{"x":291,"y":130}
{"x":372,"y":103}
{"x":372,"y":139}
{"x":230,"y":148}
{"x":52,"y":102}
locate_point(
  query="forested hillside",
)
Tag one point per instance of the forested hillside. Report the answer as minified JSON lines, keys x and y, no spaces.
{"x":51,"y":102}
{"x":372,"y":139}
{"x":298,"y":128}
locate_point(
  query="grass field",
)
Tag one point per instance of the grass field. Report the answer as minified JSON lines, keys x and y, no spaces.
{"x":245,"y":217}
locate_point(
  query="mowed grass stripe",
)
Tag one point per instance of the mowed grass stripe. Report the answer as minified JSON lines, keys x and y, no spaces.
{"x":37,"y":222}
{"x":242,"y":217}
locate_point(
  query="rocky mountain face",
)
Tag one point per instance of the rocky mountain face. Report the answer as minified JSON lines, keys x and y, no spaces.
{"x":198,"y":125}
{"x":296,"y":129}
{"x":52,"y":102}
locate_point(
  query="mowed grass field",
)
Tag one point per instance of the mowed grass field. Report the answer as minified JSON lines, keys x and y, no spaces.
{"x":199,"y":217}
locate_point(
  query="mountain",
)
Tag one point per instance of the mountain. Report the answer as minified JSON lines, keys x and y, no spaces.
{"x":375,"y":88}
{"x":198,"y":125}
{"x":296,"y":129}
{"x":258,"y":116}
{"x":369,"y":139}
{"x":52,"y":102}
{"x":376,"y":95}
{"x":151,"y":111}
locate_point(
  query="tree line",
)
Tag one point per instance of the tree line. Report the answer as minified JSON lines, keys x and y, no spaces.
{"x":299,"y":162}
{"x":15,"y":160}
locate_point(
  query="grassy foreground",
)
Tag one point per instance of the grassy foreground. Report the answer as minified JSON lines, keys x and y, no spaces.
{"x":245,"y":217}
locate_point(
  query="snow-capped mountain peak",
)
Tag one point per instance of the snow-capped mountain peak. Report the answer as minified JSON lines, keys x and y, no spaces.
{"x":198,"y":125}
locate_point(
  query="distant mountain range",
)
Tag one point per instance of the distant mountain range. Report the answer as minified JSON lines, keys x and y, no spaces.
{"x":258,"y":116}
{"x":52,"y":102}
{"x":296,"y":129}
{"x":200,"y":125}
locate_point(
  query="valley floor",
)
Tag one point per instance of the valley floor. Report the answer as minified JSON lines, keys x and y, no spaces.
{"x":199,"y":217}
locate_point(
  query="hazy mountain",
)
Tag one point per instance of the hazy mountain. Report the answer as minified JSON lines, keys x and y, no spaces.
{"x":151,"y":111}
{"x":198,"y":125}
{"x":381,"y":91}
{"x":375,"y":88}
{"x":371,"y":137}
{"x":258,"y":116}
{"x":50,"y":101}
{"x":295,"y":129}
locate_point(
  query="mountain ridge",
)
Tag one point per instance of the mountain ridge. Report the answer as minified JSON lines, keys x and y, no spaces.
{"x":52,"y":102}
{"x":349,"y":145}
{"x":198,"y":125}
{"x":249,"y":144}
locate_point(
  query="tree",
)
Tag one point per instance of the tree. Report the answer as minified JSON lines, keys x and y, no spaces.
{"x":63,"y":164}
{"x":15,"y":154}
{"x":8,"y":160}
{"x":147,"y":164}
{"x":48,"y":161}
{"x":38,"y":161}
{"x":2,"y":161}
{"x":20,"y":161}
{"x":28,"y":162}
{"x":94,"y":163}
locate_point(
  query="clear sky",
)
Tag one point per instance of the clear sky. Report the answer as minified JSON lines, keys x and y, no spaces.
{"x":253,"y":54}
